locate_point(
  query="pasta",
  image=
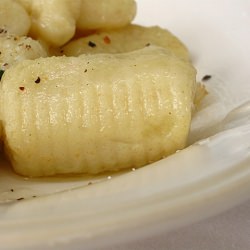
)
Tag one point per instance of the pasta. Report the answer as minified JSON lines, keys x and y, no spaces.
{"x":14,"y":18}
{"x":129,"y":38}
{"x":15,"y":49}
{"x":106,"y":14}
{"x":95,"y":113}
{"x":82,"y":90}
{"x":53,"y":21}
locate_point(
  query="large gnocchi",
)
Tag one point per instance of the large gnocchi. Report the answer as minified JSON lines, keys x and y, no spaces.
{"x":96,"y":112}
{"x":80,"y":93}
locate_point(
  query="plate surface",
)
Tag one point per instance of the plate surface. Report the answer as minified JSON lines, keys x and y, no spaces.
{"x":208,"y":177}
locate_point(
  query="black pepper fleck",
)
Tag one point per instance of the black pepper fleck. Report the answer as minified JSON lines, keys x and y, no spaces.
{"x":91,"y":44}
{"x":12,"y":190}
{"x":19,"y":199}
{"x":206,"y":77}
{"x":38,"y":80}
{"x":22,"y":88}
{"x":148,"y":44}
{"x":3,"y":31}
{"x":85,"y":70}
{"x":27,"y":46}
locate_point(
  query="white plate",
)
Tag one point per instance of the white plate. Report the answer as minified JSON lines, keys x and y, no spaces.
{"x":204,"y":179}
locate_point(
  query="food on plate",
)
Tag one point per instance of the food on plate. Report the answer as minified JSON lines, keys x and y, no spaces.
{"x":105,"y":14}
{"x":53,"y":21}
{"x":116,"y":96}
{"x":97,"y":112}
{"x":14,"y":18}
{"x":15,"y":48}
{"x":129,"y":38}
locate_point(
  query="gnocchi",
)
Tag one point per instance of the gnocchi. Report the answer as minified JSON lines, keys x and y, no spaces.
{"x":106,"y":14}
{"x":53,"y":21}
{"x":13,"y":18}
{"x":82,"y":90}
{"x":96,"y":113}
{"x":129,"y":38}
{"x":15,"y":49}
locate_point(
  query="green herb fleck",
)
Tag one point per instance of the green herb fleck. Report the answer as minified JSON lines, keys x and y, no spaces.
{"x":1,"y":73}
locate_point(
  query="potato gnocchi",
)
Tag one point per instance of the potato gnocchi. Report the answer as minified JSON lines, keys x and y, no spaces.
{"x":15,"y":49}
{"x":55,"y":21}
{"x":14,"y":18}
{"x":96,"y":113}
{"x":129,"y":38}
{"x":109,"y":14}
{"x":82,"y":90}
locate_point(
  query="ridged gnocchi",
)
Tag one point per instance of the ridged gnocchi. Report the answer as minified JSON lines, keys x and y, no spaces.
{"x":95,"y":113}
{"x":82,"y":90}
